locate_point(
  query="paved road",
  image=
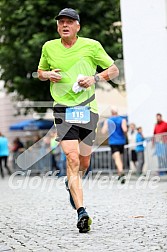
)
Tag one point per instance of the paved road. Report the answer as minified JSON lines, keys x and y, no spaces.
{"x":36,"y":216}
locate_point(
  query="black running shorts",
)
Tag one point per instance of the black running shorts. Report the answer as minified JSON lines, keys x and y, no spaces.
{"x":74,"y":131}
{"x":117,"y":148}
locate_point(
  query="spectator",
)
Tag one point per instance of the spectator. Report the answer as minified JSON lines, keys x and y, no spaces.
{"x":117,"y":128}
{"x":43,"y":148}
{"x":140,"y":150}
{"x":17,"y":148}
{"x":160,"y":126}
{"x":4,"y":153}
{"x":55,"y":152}
{"x":132,"y":132}
{"x":17,"y":145}
{"x":36,"y":139}
{"x":160,"y":141}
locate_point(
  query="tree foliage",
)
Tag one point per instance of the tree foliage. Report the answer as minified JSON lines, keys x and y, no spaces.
{"x":25,"y":25}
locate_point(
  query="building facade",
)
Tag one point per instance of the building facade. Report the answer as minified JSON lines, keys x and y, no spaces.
{"x":144,"y":26}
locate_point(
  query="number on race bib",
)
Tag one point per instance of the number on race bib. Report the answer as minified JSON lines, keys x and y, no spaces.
{"x":79,"y":114}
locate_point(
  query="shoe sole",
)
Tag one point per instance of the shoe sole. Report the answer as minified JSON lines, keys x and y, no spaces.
{"x":123,"y":181}
{"x":84,"y":224}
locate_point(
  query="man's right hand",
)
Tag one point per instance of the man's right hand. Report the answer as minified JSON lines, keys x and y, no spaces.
{"x":54,"y":75}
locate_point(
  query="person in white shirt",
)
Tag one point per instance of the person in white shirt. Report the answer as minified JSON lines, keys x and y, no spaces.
{"x":132,"y":141}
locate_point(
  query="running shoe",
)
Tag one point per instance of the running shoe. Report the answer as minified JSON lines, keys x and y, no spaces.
{"x":71,"y":198}
{"x":122,"y":178}
{"x":84,"y":222}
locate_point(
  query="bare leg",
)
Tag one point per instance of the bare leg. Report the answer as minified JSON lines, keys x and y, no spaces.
{"x":71,"y":150}
{"x":84,"y":157}
{"x":118,"y":161}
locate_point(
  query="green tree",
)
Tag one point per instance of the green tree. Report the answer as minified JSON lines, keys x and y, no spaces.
{"x":25,"y":25}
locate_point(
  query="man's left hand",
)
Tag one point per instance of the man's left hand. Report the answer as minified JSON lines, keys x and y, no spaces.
{"x":86,"y":81}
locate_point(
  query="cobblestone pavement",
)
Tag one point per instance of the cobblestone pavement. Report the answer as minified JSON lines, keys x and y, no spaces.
{"x":36,"y":216}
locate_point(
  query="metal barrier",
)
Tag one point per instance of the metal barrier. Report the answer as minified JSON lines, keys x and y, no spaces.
{"x":155,"y":153}
{"x":40,"y":166}
{"x":43,"y":164}
{"x":101,"y":159}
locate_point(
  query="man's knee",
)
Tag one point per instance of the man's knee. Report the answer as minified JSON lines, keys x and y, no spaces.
{"x":73,"y":158}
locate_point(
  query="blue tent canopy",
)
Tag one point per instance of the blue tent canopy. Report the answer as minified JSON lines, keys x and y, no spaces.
{"x":40,"y":124}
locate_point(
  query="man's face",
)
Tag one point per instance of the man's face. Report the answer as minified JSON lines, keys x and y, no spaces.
{"x":140,"y":130}
{"x":67,"y":27}
{"x":132,"y":126}
{"x":159,"y":118}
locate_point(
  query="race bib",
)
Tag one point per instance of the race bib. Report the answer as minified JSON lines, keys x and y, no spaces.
{"x":78,"y":114}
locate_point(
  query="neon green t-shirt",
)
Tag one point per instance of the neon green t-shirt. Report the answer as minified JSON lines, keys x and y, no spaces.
{"x":82,"y":58}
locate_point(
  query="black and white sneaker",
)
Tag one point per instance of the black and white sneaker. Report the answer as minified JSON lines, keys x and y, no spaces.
{"x":122,"y":178}
{"x":84,"y":222}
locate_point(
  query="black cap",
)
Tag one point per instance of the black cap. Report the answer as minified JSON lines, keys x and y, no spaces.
{"x":68,"y":12}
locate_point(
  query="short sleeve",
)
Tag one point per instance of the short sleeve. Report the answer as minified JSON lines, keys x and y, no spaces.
{"x":101,"y":58}
{"x":43,"y":63}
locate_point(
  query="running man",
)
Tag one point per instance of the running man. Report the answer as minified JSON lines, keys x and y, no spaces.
{"x":116,"y":127}
{"x":70,"y":64}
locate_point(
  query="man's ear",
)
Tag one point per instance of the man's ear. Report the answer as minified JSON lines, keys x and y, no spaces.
{"x":78,"y":28}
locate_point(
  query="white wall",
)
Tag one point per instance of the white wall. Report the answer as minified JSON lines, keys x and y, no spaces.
{"x":145,"y":57}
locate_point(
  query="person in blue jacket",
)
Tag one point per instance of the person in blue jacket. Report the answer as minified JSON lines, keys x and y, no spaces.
{"x":140,"y":150}
{"x":4,"y":153}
